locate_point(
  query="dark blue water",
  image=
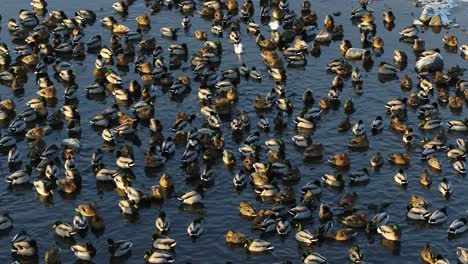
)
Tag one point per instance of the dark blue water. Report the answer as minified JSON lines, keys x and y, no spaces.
{"x":220,"y":212}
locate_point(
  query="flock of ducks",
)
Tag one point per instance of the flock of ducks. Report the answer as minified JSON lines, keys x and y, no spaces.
{"x":44,"y":40}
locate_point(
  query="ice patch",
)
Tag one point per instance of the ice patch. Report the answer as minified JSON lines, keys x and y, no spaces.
{"x":441,"y":7}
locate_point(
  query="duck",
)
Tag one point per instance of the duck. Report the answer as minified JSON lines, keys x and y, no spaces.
{"x":88,"y":210}
{"x":450,"y":40}
{"x":195,"y":229}
{"x":313,"y":258}
{"x":300,"y":212}
{"x":458,"y":226}
{"x":416,"y":212}
{"x":462,"y":254}
{"x":387,"y":69}
{"x":283,"y":227}
{"x":80,"y":222}
{"x":359,"y":128}
{"x":305,"y":236}
{"x":201,"y":35}
{"x":192,"y":197}
{"x":24,"y":248}
{"x":5,"y":221}
{"x":44,"y":188}
{"x":359,"y":176}
{"x":377,"y":160}
{"x":20,"y":176}
{"x":246,"y":209}
{"x":445,"y":187}
{"x":158,"y":256}
{"x":84,"y":251}
{"x":437,"y":217}
{"x":340,"y":159}
{"x":430,"y":124}
{"x":400,"y":178}
{"x":458,"y":125}
{"x":333,"y":180}
{"x":390,"y":232}
{"x":424,"y":179}
{"x":119,"y":248}
{"x":426,"y":254}
{"x":128,"y":207}
{"x":52,"y":256}
{"x":459,"y":165}
{"x":258,"y":245}
{"x":399,"y":158}
{"x":355,"y":220}
{"x":162,"y":242}
{"x":63,"y":229}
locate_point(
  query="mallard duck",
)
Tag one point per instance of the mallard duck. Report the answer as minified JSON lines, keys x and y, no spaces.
{"x":409,"y":32}
{"x":437,"y":217}
{"x":445,"y":187}
{"x":387,"y":69}
{"x":313,"y":258}
{"x":87,"y":210}
{"x":462,"y":254}
{"x":235,"y":238}
{"x":201,"y":35}
{"x":392,"y":233}
{"x":417,"y":212}
{"x":44,"y":188}
{"x":84,"y":251}
{"x":192,"y":197}
{"x":119,"y":248}
{"x":5,"y":221}
{"x":169,"y":32}
{"x":430,"y":124}
{"x":377,"y":43}
{"x":359,"y":128}
{"x":458,"y":226}
{"x":143,"y":20}
{"x":228,"y":158}
{"x":458,"y":125}
{"x":121,"y":7}
{"x":63,"y":229}
{"x":450,"y":40}
{"x":400,"y":177}
{"x":359,"y":176}
{"x":195,"y":229}
{"x":163,"y":242}
{"x":340,"y":159}
{"x":24,"y":248}
{"x":283,"y":227}
{"x":424,"y":179}
{"x":355,"y":220}
{"x":434,"y":163}
{"x":300,"y":212}
{"x":258,"y":245}
{"x":158,"y":256}
{"x":246,"y":209}
{"x":355,"y":254}
{"x":426,"y":254}
{"x":305,"y":236}
{"x":459,"y":165}
{"x":377,"y":160}
{"x":399,"y":158}
{"x":128,"y":207}
{"x":359,"y":142}
{"x":333,"y":180}
{"x":20,"y":176}
{"x":80,"y":222}
{"x":52,"y":256}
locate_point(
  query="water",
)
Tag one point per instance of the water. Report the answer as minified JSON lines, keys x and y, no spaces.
{"x":221,"y":201}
